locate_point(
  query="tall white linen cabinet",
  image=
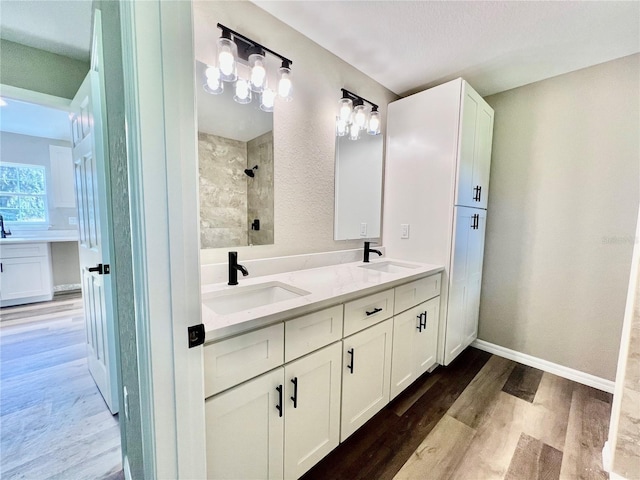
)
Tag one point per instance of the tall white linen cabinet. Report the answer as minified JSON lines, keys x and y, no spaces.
{"x":435,"y":200}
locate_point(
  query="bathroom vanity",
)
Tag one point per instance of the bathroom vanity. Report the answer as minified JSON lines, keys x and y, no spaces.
{"x":315,"y":355}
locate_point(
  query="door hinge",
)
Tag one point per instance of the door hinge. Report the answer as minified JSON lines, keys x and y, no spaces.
{"x":196,"y":335}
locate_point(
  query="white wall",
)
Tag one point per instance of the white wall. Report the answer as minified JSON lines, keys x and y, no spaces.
{"x":561,"y":217}
{"x":304,"y":142}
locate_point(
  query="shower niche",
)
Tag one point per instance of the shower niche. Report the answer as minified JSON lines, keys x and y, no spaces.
{"x":235,"y":157}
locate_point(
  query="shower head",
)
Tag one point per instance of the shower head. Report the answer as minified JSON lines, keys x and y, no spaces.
{"x":249,"y":172}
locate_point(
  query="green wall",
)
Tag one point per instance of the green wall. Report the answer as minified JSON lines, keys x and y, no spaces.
{"x":40,"y":71}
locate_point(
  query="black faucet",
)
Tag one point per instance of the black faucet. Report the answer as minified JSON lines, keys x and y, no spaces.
{"x":368,"y":250}
{"x":3,"y":232}
{"x":234,"y":267}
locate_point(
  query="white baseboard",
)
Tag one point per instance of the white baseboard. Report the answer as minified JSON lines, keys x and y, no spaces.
{"x":546,"y":366}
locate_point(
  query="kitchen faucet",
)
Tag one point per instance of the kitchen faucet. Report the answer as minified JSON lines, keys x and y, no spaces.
{"x":3,"y":232}
{"x":234,"y":267}
{"x":368,"y":250}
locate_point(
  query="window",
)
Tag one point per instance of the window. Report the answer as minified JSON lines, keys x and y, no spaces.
{"x":23,"y":193}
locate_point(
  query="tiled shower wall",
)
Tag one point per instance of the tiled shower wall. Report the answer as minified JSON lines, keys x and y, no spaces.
{"x":229,"y":199}
{"x":260,"y":189}
{"x":223,"y":191}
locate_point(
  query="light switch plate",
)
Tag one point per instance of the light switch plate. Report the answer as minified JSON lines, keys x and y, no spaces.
{"x":363,"y":229}
{"x":404,"y":230}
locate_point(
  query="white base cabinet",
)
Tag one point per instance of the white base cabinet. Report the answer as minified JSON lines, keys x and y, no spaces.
{"x":365,"y":376}
{"x":415,"y":344}
{"x":280,"y":398}
{"x":279,"y":424}
{"x":25,"y":273}
{"x":245,"y":432}
{"x":312,"y":412}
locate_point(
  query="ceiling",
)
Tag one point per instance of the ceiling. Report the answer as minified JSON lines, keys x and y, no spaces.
{"x":56,"y":26}
{"x":34,"y":120}
{"x":495,"y":45}
{"x":404,"y":45}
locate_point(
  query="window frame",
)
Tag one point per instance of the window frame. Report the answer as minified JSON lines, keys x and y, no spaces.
{"x":45,"y":196}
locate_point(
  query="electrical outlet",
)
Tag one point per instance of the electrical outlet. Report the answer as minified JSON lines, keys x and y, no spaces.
{"x":363,"y":229}
{"x":125,"y":400}
{"x":73,"y":220}
{"x":404,"y":230}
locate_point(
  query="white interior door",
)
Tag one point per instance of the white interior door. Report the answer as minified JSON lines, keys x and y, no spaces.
{"x":90,"y":159}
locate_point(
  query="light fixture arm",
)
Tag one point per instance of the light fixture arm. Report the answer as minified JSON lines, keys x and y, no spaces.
{"x":227,"y":33}
{"x":347,"y":94}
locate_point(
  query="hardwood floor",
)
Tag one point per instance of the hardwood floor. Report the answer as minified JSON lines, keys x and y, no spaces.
{"x":481,"y":418}
{"x":54,"y":423}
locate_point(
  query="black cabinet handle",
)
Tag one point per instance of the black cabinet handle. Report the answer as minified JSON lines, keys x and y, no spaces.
{"x":1,"y":268}
{"x":424,"y":325}
{"x":375,"y":310}
{"x":479,"y":192}
{"x":350,"y":365}
{"x":294,"y":380}
{"x":475,"y":221}
{"x":279,"y":406}
{"x":419,"y":327}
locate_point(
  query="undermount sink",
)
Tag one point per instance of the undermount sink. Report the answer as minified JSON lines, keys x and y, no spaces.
{"x":389,"y":266}
{"x":252,"y":296}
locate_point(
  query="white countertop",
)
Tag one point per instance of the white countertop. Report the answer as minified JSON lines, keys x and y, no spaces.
{"x":326,"y":286}
{"x":41,"y":236}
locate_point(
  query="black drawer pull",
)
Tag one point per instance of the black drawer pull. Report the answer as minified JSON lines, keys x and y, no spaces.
{"x":279,"y":406}
{"x":375,"y":310}
{"x":424,"y":325}
{"x":350,"y":365}
{"x":419,"y":327}
{"x":294,"y":380}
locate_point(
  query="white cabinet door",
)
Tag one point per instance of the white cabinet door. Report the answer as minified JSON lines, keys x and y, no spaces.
{"x":474,"y":150}
{"x":415,"y":342}
{"x":312,"y":413}
{"x":245,"y":430}
{"x":464,"y":281}
{"x":25,"y":278}
{"x":426,"y":338}
{"x":475,"y":257}
{"x":366,"y":375}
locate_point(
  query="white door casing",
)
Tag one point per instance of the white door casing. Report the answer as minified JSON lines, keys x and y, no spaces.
{"x":91,"y":164}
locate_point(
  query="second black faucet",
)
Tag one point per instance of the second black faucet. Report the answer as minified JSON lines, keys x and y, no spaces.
{"x":234,"y":267}
{"x":368,"y":250}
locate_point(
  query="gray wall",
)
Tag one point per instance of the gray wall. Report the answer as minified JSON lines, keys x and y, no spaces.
{"x":562,"y":210}
{"x":304,"y":129}
{"x":40,"y":71}
{"x":65,"y":262}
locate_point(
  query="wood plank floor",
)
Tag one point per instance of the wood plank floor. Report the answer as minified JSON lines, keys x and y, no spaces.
{"x":54,"y":423}
{"x":481,"y":418}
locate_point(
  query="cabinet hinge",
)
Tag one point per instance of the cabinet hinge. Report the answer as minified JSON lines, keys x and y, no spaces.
{"x":196,"y":335}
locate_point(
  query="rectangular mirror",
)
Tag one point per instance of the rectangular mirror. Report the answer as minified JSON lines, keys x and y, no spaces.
{"x":235,"y":156}
{"x":358,"y":187}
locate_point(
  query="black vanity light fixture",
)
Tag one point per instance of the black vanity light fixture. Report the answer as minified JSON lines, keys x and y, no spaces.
{"x":353,"y":116}
{"x":233,"y":49}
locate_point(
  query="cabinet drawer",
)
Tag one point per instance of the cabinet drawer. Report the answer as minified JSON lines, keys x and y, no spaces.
{"x":413,"y":293}
{"x":367,"y":311}
{"x":311,"y":332}
{"x":21,"y":250}
{"x":230,"y":362}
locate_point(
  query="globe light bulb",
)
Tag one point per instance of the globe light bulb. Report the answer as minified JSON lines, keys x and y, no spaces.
{"x":374,"y":123}
{"x":258,"y":72}
{"x":213,"y":84}
{"x":243,"y":93}
{"x":268,"y":100}
{"x":227,"y":53}
{"x":354,"y":131}
{"x":341,"y":127}
{"x":345,"y":107}
{"x":284,"y":83}
{"x":360,"y":116}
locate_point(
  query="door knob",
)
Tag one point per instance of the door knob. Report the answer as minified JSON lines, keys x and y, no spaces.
{"x":100,"y":268}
